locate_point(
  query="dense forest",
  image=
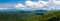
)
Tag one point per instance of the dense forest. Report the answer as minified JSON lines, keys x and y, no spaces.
{"x":30,"y":16}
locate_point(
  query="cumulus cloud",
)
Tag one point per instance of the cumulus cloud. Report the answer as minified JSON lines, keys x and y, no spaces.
{"x":20,"y":6}
{"x":32,"y":5}
{"x":36,"y":4}
{"x":55,"y":4}
{"x":6,"y":6}
{"x":44,"y":5}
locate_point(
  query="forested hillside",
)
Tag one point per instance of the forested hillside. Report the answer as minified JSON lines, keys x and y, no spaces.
{"x":17,"y":16}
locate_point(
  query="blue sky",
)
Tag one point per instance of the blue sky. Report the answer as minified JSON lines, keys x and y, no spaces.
{"x":8,"y":1}
{"x":11,"y":3}
{"x":8,"y":4}
{"x":17,"y":1}
{"x":23,"y":1}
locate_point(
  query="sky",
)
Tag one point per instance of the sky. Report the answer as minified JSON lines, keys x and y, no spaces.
{"x":8,"y":1}
{"x":30,"y":4}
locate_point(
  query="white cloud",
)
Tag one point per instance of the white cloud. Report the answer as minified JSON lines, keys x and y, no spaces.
{"x":20,"y":6}
{"x":29,"y":5}
{"x":6,"y":6}
{"x":51,"y":4}
{"x":38,"y":4}
{"x":55,"y":4}
{"x":32,"y":5}
{"x":3,"y":8}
